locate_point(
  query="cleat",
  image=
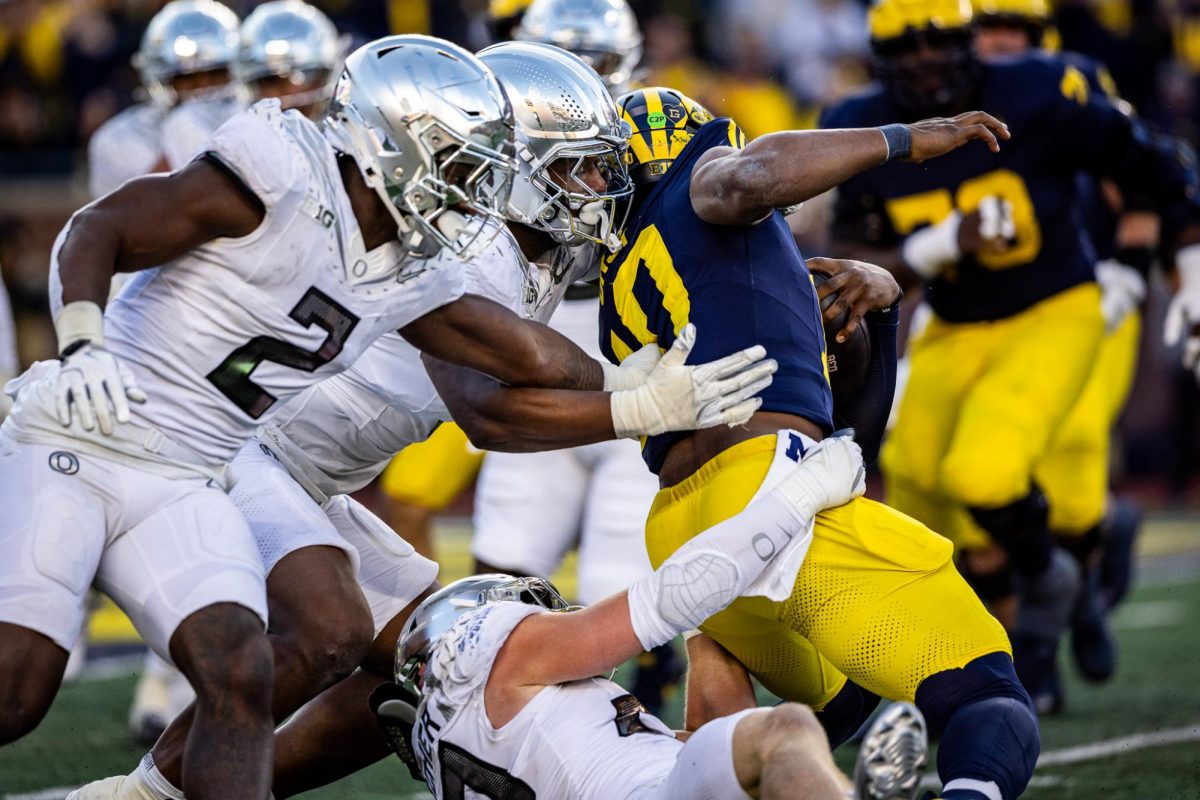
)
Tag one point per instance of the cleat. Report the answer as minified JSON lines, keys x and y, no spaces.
{"x":892,"y":758}
{"x":1093,"y":647}
{"x":1049,"y":698}
{"x":1118,"y":537}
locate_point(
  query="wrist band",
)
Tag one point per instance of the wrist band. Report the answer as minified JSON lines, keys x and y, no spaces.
{"x":899,"y":141}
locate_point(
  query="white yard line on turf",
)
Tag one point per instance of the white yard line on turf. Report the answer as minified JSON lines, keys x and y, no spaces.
{"x":1150,"y":614}
{"x":1102,"y":749}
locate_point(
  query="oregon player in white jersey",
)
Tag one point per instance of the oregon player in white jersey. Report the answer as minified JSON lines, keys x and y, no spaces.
{"x":498,"y":699}
{"x":278,"y":262}
{"x":335,"y":438}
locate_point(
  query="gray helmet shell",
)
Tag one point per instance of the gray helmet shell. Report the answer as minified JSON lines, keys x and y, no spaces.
{"x":438,"y":612}
{"x":186,"y":36}
{"x":565,"y":121}
{"x":431,"y":131}
{"x":604,"y":33}
{"x":288,"y":39}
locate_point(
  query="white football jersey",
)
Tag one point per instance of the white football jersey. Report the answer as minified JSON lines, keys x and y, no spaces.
{"x":127,"y":146}
{"x":187,"y":126}
{"x":583,"y":740}
{"x":338,"y":436}
{"x":221,"y":338}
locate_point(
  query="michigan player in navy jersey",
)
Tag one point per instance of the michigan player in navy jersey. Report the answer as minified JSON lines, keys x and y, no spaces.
{"x":867,"y":594}
{"x":1099,"y":529}
{"x":1008,"y":267}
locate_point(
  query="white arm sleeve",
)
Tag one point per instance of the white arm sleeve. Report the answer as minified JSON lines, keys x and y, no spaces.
{"x":712,"y":570}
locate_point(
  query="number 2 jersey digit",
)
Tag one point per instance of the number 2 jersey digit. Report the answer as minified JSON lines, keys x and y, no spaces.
{"x":274,"y":312}
{"x":740,"y":286}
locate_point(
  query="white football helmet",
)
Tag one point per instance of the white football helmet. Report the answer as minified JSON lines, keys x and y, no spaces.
{"x":437,"y":613}
{"x":293,"y":40}
{"x":185,"y":37}
{"x":432,"y":133}
{"x":604,"y":33}
{"x":567,"y":125}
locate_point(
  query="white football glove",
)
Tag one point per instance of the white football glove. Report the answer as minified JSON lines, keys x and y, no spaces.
{"x":930,"y":250}
{"x":1122,"y":289}
{"x":91,"y":379}
{"x":1183,"y":314}
{"x":633,"y":370}
{"x":996,"y":220}
{"x":97,"y":386}
{"x":676,"y":397}
{"x":830,"y":474}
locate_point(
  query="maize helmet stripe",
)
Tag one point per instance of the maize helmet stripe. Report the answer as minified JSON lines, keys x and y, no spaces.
{"x":661,"y":123}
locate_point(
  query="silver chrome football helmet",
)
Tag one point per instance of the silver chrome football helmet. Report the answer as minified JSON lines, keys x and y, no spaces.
{"x":293,"y":40}
{"x":567,"y":125}
{"x":437,"y":613}
{"x":186,"y":36}
{"x":432,"y":133}
{"x":604,"y":33}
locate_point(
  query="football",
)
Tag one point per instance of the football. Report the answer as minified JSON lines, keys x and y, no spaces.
{"x":848,"y":360}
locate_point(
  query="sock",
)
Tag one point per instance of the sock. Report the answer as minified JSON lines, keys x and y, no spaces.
{"x":989,"y":732}
{"x":147,"y":774}
{"x":846,"y":712}
{"x":1021,"y":528}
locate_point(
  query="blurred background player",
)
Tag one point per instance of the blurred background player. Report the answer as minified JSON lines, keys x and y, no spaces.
{"x":1011,"y":284}
{"x":186,"y":52}
{"x":289,"y":50}
{"x":1074,"y":474}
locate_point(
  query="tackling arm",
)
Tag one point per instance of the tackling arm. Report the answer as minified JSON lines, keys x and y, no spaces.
{"x":482,"y":335}
{"x":700,"y":579}
{"x":741,"y":187}
{"x":520,"y":420}
{"x":717,"y":683}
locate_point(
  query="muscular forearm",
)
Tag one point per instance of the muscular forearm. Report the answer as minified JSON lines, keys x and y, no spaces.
{"x":83,"y":263}
{"x":790,"y":167}
{"x":484,"y":336}
{"x":509,"y":419}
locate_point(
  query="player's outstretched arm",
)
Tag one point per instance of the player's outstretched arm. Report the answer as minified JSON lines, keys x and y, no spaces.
{"x":664,"y":394}
{"x":741,"y":187}
{"x":701,"y":578}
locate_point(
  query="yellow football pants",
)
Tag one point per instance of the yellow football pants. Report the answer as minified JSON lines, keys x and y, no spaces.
{"x":877,"y":599}
{"x":1074,"y":472}
{"x":983,"y":405}
{"x":430,"y":474}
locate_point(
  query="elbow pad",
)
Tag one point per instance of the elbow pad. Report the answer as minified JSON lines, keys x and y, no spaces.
{"x":712,"y":570}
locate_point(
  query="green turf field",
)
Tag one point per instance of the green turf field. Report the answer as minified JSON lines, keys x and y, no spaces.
{"x":1137,"y":738}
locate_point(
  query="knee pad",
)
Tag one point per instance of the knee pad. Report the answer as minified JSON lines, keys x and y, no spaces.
{"x":1021,"y":529}
{"x":987,"y":722}
{"x":846,"y":713}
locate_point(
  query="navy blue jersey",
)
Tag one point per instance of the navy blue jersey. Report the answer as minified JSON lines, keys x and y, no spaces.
{"x":1060,"y":126}
{"x":740,"y":286}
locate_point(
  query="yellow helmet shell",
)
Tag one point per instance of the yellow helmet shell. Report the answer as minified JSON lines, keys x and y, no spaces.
{"x":1031,"y":10}
{"x":891,"y":19}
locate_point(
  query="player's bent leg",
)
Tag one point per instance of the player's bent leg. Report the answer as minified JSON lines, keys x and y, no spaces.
{"x":336,"y":734}
{"x":761,"y":753}
{"x":990,"y":737}
{"x":31,"y":669}
{"x":227,"y":659}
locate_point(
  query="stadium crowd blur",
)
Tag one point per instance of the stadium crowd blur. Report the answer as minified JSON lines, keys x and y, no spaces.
{"x":770,"y":64}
